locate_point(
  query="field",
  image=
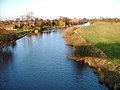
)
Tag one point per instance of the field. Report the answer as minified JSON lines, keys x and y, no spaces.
{"x":105,"y":36}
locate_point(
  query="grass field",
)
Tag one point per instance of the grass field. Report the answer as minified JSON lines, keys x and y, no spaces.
{"x":105,"y":36}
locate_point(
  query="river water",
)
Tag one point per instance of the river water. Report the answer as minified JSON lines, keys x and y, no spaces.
{"x":39,"y":62}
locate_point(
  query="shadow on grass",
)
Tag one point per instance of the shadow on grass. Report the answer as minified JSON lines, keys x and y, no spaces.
{"x":111,"y":50}
{"x":89,"y":51}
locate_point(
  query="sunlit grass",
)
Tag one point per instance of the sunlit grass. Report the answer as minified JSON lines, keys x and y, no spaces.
{"x":20,"y":33}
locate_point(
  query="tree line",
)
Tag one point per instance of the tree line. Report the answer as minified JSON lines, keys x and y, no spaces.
{"x":29,"y":23}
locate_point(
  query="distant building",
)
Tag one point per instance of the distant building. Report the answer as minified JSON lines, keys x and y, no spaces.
{"x":31,"y":23}
{"x":1,"y":25}
{"x":86,"y":24}
{"x":9,"y":27}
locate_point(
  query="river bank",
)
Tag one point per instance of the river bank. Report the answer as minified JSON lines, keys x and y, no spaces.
{"x":108,"y":71}
{"x":20,"y":34}
{"x":9,"y":37}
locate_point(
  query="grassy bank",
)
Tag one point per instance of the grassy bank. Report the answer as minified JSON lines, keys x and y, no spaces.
{"x":98,"y":46}
{"x":20,"y":34}
{"x":105,"y":36}
{"x":7,"y":37}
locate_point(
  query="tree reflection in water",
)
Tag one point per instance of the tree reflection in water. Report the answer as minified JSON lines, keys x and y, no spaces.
{"x":6,"y":53}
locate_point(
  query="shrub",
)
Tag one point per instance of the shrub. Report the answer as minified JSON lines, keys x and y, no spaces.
{"x":6,"y":36}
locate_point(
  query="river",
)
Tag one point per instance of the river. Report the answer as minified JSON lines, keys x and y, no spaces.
{"x":39,"y":62}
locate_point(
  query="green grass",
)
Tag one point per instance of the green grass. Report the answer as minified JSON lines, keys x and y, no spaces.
{"x":20,"y":33}
{"x":105,"y":36}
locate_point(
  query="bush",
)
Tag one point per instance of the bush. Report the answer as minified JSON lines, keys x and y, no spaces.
{"x":6,"y":36}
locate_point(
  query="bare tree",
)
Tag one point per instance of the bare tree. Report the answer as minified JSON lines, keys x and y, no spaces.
{"x":22,"y":17}
{"x":29,"y":15}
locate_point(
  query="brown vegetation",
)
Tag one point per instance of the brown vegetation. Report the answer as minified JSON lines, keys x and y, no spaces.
{"x":6,"y":37}
{"x":73,"y":38}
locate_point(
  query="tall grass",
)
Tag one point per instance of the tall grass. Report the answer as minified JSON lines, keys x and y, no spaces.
{"x":73,"y":38}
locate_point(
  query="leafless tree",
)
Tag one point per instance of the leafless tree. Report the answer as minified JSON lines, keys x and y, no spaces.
{"x":22,"y":17}
{"x":29,"y":15}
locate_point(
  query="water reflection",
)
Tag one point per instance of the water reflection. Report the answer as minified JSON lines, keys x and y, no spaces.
{"x":79,"y":67}
{"x":6,"y":58}
{"x":29,"y":41}
{"x":6,"y":54}
{"x":13,"y":44}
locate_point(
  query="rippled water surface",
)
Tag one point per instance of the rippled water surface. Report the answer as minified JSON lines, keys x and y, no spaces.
{"x":39,"y":62}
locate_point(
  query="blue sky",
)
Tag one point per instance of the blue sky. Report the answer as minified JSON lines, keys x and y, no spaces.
{"x":54,"y":8}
